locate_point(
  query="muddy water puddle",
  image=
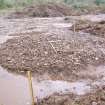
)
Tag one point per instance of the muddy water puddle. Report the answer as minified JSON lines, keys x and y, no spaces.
{"x":92,"y":18}
{"x":4,"y":38}
{"x":95,"y":18}
{"x":14,"y":89}
{"x":49,"y":87}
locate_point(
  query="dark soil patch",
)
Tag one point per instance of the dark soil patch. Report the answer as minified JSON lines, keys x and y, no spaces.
{"x":91,"y":10}
{"x":60,"y":54}
{"x":97,"y":29}
{"x":44,"y":10}
{"x":95,"y":98}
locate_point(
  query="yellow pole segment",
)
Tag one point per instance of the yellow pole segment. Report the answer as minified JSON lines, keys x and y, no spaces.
{"x":74,"y":30}
{"x":30,"y":86}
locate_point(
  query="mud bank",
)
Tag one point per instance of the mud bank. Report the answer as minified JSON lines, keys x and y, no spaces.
{"x":93,"y":24}
{"x":20,"y":91}
{"x":47,"y":46}
{"x":44,"y":10}
{"x":51,"y":9}
{"x":95,"y":98}
{"x":50,"y":91}
{"x":60,"y":53}
{"x":60,"y":57}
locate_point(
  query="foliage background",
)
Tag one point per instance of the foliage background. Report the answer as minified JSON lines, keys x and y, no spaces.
{"x":75,"y":3}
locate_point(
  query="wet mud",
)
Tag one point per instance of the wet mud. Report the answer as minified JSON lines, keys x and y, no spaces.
{"x":67,"y":67}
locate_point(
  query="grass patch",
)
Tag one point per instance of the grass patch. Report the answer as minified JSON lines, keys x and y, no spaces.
{"x":77,"y":4}
{"x":5,"y":4}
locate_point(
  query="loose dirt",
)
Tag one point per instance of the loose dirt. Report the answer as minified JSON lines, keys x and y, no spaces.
{"x":95,"y":98}
{"x":45,"y":10}
{"x":94,"y":28}
{"x":48,"y":48}
{"x":51,"y":9}
{"x":50,"y":91}
{"x":57,"y":51}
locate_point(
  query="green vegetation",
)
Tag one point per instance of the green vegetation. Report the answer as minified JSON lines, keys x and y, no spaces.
{"x":74,"y":3}
{"x":4,"y":4}
{"x":99,"y":2}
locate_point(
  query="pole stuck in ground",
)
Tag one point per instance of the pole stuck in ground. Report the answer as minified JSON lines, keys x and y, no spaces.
{"x":74,"y":30}
{"x":30,"y":86}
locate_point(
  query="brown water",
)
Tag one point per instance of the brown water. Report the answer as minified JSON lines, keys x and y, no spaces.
{"x":4,"y":38}
{"x":13,"y":89}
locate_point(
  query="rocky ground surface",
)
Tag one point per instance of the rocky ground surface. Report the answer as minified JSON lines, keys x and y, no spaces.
{"x":49,"y":46}
{"x":95,"y":98}
{"x":95,"y":28}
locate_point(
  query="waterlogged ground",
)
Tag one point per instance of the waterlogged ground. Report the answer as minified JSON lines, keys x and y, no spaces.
{"x":15,"y":92}
{"x":14,"y":88}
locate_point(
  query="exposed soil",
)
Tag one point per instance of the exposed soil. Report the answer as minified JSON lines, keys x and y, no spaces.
{"x":95,"y":98}
{"x":94,"y":28}
{"x":51,"y":9}
{"x":48,"y":46}
{"x":44,"y":10}
{"x":57,"y":51}
{"x":91,"y":10}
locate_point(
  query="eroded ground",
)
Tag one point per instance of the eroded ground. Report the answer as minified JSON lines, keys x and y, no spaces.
{"x":67,"y":66}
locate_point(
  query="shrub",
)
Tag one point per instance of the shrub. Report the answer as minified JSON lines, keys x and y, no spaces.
{"x":98,"y":2}
{"x":5,"y":4}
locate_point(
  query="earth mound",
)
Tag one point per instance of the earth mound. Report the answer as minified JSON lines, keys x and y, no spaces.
{"x":44,"y":10}
{"x":95,"y":98}
{"x":60,"y":53}
{"x":95,"y":28}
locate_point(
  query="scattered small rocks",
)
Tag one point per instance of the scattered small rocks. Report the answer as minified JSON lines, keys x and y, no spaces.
{"x":94,"y":28}
{"x":94,"y":103}
{"x":57,"y":52}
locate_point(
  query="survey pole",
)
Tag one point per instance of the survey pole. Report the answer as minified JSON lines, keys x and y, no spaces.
{"x":29,"y":74}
